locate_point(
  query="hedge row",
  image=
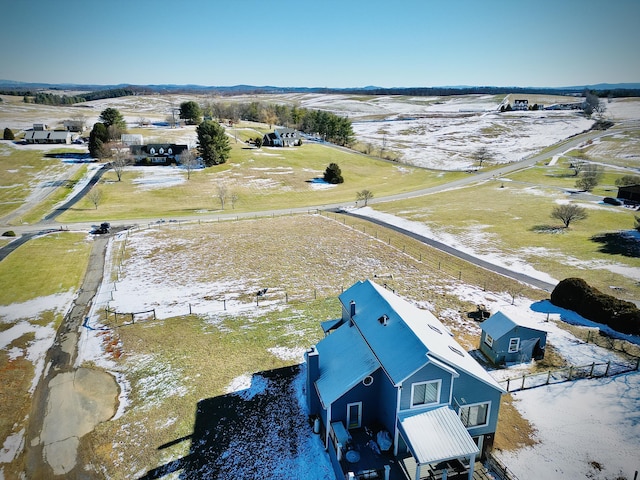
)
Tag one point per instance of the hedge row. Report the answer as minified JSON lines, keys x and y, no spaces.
{"x":575,"y":294}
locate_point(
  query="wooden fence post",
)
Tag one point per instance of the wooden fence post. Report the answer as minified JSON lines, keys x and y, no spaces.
{"x":606,"y":372}
{"x":592,"y":367}
{"x":523,"y":378}
{"x":548,"y":377}
{"x":570,"y":371}
{"x":508,"y":381}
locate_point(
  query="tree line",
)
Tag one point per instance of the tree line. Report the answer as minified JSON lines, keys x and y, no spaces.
{"x":54,"y":99}
{"x":328,"y":126}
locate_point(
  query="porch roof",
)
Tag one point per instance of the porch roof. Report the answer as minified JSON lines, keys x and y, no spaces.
{"x":436,"y":436}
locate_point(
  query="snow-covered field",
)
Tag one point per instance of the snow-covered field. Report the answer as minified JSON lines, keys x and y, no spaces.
{"x":576,"y":421}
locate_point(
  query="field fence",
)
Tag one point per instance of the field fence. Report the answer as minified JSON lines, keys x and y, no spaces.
{"x":568,"y":374}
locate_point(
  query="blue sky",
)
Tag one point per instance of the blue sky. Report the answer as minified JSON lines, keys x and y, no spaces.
{"x":347,"y":43}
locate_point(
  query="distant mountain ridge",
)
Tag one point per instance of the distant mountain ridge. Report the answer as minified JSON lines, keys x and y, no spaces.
{"x":633,"y":89}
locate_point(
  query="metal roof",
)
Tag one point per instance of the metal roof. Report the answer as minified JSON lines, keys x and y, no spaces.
{"x":437,"y":436}
{"x":345,"y":360}
{"x":410,"y":337}
{"x":499,"y":324}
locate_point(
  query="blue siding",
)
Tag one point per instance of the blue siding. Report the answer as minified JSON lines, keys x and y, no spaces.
{"x":468,"y":390}
{"x":427,"y":373}
{"x":499,"y":352}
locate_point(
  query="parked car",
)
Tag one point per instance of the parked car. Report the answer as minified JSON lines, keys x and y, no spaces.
{"x":104,"y":227}
{"x":612,"y":201}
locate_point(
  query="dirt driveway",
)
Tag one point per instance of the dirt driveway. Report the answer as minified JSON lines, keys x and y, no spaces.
{"x":69,"y":402}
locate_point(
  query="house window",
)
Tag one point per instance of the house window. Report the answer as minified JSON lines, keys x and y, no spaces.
{"x":514,"y":345}
{"x":425,"y":393}
{"x":488,"y":340}
{"x":475,"y":415}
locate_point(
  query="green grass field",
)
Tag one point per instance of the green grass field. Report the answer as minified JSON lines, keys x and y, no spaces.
{"x":263,"y":179}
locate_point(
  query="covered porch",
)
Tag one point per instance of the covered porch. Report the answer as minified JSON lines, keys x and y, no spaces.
{"x":438,"y":445}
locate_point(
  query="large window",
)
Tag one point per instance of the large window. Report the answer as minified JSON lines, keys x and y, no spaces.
{"x":425,"y":393}
{"x":475,"y":415}
{"x":514,"y":345}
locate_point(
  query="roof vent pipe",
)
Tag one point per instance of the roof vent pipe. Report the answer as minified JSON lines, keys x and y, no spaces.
{"x":352,"y":309}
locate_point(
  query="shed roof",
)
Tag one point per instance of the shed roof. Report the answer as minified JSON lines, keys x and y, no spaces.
{"x":499,"y":324}
{"x":409,"y":338}
{"x":447,"y":439}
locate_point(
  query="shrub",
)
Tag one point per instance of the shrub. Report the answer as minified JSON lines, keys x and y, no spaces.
{"x":9,"y":233}
{"x":8,"y":134}
{"x":575,"y":294}
{"x":333,"y":174}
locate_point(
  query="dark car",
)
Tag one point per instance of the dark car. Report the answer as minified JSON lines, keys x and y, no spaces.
{"x":103,"y":228}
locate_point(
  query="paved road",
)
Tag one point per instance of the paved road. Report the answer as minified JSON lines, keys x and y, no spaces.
{"x":457,"y":253}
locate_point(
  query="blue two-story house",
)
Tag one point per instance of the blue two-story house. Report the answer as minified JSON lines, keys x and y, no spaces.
{"x":392,"y":374}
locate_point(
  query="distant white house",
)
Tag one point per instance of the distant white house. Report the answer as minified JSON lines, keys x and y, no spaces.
{"x":520,"y":104}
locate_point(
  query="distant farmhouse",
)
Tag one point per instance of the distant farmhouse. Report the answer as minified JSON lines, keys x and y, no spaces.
{"x":74,"y":125}
{"x":520,"y":105}
{"x":157,"y":153}
{"x":389,"y":377}
{"x":42,"y":135}
{"x":282,"y":137}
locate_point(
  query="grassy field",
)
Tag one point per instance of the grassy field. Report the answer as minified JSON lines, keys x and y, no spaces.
{"x":51,"y":265}
{"x":24,"y":174}
{"x":262,"y":179}
{"x":171,"y":364}
{"x":512,"y":218}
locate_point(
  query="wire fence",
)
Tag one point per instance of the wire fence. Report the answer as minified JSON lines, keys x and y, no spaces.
{"x":568,"y":374}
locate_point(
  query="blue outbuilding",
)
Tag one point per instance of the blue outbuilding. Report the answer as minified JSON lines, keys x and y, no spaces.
{"x":505,"y":340}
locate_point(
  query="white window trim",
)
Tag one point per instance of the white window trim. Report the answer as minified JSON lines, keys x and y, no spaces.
{"x":439,"y":389}
{"x":488,"y":339}
{"x":349,"y":405}
{"x":517,"y":346}
{"x":470,"y":405}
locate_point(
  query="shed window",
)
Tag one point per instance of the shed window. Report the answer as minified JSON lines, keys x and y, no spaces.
{"x":475,"y":415}
{"x":488,"y":339}
{"x":514,"y":345}
{"x":425,"y":393}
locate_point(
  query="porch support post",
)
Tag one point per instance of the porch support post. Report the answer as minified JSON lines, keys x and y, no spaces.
{"x":417,"y":471}
{"x":472,"y":464}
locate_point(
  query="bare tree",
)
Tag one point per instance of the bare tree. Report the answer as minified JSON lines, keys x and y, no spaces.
{"x":188,"y":161}
{"x":481,"y":155}
{"x":590,"y":177}
{"x":568,"y":213}
{"x":515,"y":290}
{"x":121,"y":158}
{"x":365,"y":195}
{"x":577,"y":165}
{"x":233,"y":198}
{"x":95,"y":196}
{"x":221,"y":193}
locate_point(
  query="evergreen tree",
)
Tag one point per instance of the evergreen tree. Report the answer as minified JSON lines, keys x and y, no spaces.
{"x":97,"y":138}
{"x":333,"y":174}
{"x":191,"y":112}
{"x":213,"y":143}
{"x":112,"y":117}
{"x":8,"y":134}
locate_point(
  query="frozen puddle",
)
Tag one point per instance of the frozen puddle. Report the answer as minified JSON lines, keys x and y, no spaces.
{"x":78,"y":401}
